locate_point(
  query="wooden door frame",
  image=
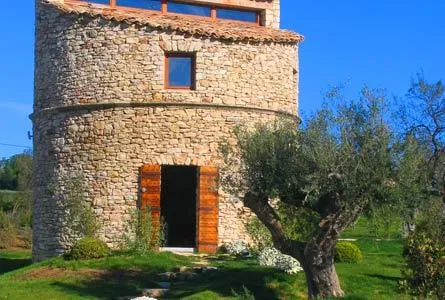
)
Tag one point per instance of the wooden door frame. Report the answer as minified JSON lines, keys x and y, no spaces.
{"x":150,"y":195}
{"x":206,"y":175}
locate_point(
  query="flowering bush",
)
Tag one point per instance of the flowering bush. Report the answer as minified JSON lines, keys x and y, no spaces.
{"x":271,"y":257}
{"x":237,"y":248}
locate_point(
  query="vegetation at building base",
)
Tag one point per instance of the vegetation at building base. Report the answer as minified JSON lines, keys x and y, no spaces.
{"x":141,"y":236}
{"x":125,"y":275}
{"x":82,"y":223}
{"x":88,"y":248}
{"x":81,"y":220}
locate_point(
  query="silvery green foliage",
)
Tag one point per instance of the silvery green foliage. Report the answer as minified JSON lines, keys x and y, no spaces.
{"x":237,"y":248}
{"x":271,"y":257}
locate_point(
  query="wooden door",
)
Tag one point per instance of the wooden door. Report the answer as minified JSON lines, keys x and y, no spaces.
{"x":207,"y":223}
{"x":151,"y":191}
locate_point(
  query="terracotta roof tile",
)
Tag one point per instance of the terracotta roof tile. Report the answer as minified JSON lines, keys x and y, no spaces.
{"x":221,"y":29}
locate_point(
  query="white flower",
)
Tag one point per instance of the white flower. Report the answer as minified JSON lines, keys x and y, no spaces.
{"x":237,"y":248}
{"x":271,"y":257}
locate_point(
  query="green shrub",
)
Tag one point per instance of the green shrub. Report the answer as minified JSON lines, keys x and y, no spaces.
{"x":347,"y":252}
{"x":424,"y":253}
{"x":7,"y":230}
{"x":89,"y":248}
{"x":141,"y":236}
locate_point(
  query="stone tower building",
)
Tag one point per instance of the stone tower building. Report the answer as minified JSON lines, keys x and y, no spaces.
{"x":136,"y":95}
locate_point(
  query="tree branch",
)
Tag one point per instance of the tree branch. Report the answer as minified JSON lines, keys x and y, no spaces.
{"x":269,"y":217}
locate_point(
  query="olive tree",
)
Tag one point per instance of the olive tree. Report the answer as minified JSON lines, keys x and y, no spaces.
{"x":422,"y":115}
{"x":338,"y":164}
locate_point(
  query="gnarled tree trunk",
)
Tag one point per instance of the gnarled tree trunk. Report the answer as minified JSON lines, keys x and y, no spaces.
{"x":316,"y":256}
{"x":321,"y":275}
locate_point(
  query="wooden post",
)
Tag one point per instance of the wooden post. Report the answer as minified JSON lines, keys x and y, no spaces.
{"x":213,"y":13}
{"x":164,"y":7}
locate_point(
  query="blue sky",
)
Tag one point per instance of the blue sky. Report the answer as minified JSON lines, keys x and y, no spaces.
{"x":380,"y":43}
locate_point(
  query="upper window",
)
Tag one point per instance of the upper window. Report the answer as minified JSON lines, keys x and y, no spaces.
{"x":239,"y":15}
{"x":189,"y":9}
{"x":180,"y":71}
{"x":179,"y":7}
{"x":145,"y":4}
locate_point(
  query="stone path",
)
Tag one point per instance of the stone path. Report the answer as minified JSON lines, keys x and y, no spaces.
{"x":167,"y":279}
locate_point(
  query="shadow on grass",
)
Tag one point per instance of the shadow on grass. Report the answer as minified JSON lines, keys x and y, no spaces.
{"x":117,"y":283}
{"x":384,"y":277}
{"x":226,"y":280}
{"x":112,"y":283}
{"x":11,"y":264}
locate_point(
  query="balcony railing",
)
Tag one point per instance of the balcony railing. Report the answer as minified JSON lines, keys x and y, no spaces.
{"x":177,"y":7}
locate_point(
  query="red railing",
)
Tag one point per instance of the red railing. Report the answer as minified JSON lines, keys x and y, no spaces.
{"x":164,"y":9}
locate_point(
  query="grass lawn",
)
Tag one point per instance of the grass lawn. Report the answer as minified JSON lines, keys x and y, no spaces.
{"x":375,"y":278}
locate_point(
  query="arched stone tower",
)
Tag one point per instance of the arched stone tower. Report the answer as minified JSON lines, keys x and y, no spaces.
{"x":135,"y":96}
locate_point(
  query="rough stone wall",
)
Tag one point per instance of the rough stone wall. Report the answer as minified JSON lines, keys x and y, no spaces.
{"x":88,"y":60}
{"x":129,"y":119}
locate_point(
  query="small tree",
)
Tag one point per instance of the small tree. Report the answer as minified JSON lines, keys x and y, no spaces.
{"x":341,"y":162}
{"x":82,"y":220}
{"x":141,"y":235}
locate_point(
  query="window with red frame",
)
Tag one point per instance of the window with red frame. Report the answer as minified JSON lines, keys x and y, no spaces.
{"x":180,"y":70}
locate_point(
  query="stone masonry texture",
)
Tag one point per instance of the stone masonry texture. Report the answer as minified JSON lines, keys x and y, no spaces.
{"x":101,"y":110}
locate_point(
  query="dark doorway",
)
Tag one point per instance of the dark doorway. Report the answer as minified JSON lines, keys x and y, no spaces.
{"x":178,"y":205}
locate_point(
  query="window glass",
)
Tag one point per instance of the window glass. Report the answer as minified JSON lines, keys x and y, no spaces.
{"x":180,"y":70}
{"x":189,"y":9}
{"x":145,"y":4}
{"x":98,"y":1}
{"x":234,"y":14}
